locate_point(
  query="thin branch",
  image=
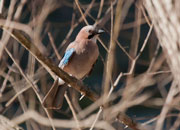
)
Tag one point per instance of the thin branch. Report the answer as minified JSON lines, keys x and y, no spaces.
{"x":72,"y":110}
{"x":84,"y":18}
{"x":173,"y":91}
{"x":100,"y":9}
{"x":145,"y":42}
{"x":97,"y":117}
{"x":60,"y":123}
{"x":54,"y":46}
{"x":1,"y":6}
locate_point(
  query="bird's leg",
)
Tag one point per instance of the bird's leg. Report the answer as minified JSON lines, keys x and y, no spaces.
{"x":82,"y":95}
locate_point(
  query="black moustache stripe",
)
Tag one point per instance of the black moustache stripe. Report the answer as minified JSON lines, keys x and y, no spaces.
{"x":91,"y":36}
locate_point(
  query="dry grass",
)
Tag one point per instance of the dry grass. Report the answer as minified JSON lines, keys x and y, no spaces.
{"x":32,"y":44}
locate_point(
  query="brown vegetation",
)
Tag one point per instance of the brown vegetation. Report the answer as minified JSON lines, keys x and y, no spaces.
{"x":32,"y":44}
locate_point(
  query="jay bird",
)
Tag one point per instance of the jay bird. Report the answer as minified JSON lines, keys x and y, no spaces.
{"x":78,"y":60}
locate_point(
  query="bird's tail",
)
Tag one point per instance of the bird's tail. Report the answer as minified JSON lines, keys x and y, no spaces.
{"x":54,"y":98}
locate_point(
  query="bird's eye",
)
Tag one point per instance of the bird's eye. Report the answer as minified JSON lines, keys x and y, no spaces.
{"x":90,"y":31}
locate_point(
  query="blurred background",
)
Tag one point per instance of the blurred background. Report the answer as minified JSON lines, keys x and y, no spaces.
{"x":138,"y":62}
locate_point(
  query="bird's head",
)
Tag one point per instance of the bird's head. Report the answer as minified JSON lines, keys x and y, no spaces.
{"x":89,"y":32}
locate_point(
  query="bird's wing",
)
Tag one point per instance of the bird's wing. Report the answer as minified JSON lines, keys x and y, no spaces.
{"x":67,"y":56}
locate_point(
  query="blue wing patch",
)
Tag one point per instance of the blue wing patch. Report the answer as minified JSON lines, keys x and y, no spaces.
{"x":66,"y":57}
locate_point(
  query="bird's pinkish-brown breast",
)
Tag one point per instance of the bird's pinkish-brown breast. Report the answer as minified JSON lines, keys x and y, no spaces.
{"x":82,"y":61}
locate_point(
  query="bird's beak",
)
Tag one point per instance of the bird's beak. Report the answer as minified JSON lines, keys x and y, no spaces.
{"x":100,"y":31}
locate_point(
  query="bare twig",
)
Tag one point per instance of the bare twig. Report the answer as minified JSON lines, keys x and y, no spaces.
{"x":60,"y":123}
{"x":72,"y":110}
{"x":173,"y":91}
{"x":84,"y":18}
{"x":1,"y":6}
{"x":53,"y":45}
